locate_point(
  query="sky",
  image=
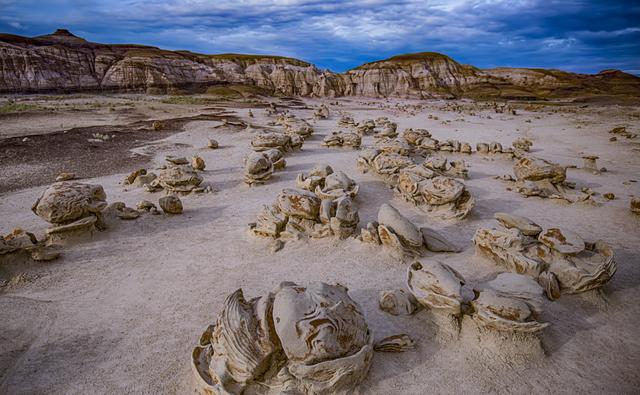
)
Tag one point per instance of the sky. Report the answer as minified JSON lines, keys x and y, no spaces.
{"x":575,"y":35}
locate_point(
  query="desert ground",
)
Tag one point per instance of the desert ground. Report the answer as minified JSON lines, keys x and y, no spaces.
{"x":121,"y":312}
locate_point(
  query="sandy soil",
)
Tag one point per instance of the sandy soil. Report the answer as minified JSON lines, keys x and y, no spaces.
{"x":121,"y":313}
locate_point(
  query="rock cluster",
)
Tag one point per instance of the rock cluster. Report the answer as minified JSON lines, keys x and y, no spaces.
{"x":559,"y":259}
{"x":309,"y":340}
{"x":539,"y":177}
{"x":18,"y":246}
{"x":509,"y":303}
{"x":444,"y":196}
{"x":401,"y":237}
{"x":295,"y":127}
{"x":343,"y":139}
{"x":179,"y":179}
{"x":270,"y":147}
{"x":268,"y":140}
{"x":429,"y":186}
{"x":494,"y":148}
{"x":321,"y":207}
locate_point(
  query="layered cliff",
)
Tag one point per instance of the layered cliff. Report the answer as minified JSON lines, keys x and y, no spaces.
{"x":64,"y":62}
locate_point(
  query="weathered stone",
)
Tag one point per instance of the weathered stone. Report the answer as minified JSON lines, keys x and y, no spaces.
{"x":522,"y":144}
{"x":145,"y":179}
{"x":176,"y":160}
{"x":317,"y":332}
{"x":336,"y":185}
{"x":65,"y":177}
{"x":482,"y":148}
{"x":145,"y":205}
{"x":182,"y":179}
{"x":400,"y":225}
{"x":562,"y":240}
{"x":197,"y":163}
{"x":258,"y":168}
{"x":122,"y":211}
{"x":397,"y":302}
{"x":264,"y":141}
{"x":170,"y":204}
{"x":66,"y":202}
{"x":415,"y":136}
{"x":525,"y":225}
{"x":501,"y":312}
{"x":129,"y":179}
{"x":436,"y":286}
{"x":299,"y":203}
{"x":559,"y":260}
{"x":436,"y":242}
{"x":276,"y":157}
{"x":535,"y":169}
{"x":394,"y":343}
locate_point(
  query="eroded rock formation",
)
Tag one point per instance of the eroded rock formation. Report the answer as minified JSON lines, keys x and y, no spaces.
{"x":62,"y":61}
{"x":322,"y":206}
{"x":71,"y":208}
{"x":308,"y":340}
{"x":559,"y":259}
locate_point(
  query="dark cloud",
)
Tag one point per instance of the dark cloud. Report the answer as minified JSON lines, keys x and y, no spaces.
{"x":576,"y":35}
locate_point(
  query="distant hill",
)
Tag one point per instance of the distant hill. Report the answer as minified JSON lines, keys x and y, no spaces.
{"x":64,"y":62}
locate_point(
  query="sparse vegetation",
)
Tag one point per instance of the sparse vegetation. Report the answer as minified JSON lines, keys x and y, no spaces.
{"x":187,"y":100}
{"x":14,"y":107}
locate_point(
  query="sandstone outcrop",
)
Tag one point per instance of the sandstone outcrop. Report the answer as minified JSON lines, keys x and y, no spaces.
{"x":64,"y":62}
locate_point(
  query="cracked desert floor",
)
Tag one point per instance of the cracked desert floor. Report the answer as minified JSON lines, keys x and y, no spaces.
{"x":120,"y":313}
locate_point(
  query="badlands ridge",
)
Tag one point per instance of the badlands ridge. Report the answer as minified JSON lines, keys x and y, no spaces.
{"x":64,"y":62}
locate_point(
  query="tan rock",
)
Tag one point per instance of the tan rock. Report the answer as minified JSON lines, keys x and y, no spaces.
{"x":65,"y":202}
{"x":394,"y":343}
{"x":176,"y":160}
{"x":634,"y":205}
{"x":535,"y":169}
{"x":525,"y":225}
{"x":258,"y":168}
{"x":436,"y":286}
{"x":65,"y":176}
{"x":562,"y":240}
{"x":197,"y":163}
{"x":181,"y":179}
{"x":129,"y":179}
{"x":171,"y":204}
{"x":299,"y":203}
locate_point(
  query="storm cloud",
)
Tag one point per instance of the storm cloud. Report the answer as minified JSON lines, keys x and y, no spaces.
{"x":575,"y":35}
